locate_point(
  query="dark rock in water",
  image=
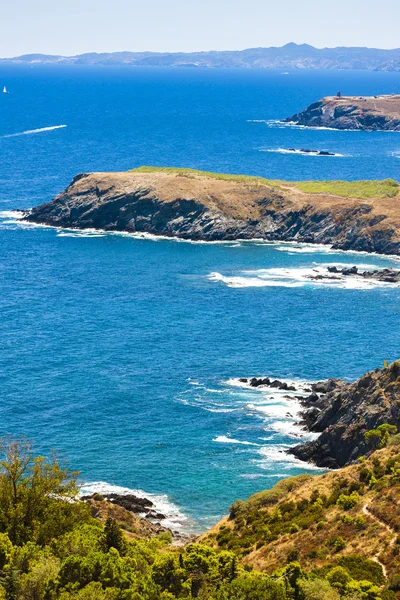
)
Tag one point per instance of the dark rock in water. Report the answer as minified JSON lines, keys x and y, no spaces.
{"x":243,"y":380}
{"x":343,"y":412}
{"x":256,"y":382}
{"x":152,"y":514}
{"x":385,"y":275}
{"x":129,"y":502}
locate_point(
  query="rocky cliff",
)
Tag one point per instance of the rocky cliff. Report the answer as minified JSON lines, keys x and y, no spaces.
{"x":201,"y":206}
{"x":344,"y":412}
{"x":369,"y":113}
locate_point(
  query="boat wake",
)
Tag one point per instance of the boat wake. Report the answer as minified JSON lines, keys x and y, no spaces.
{"x":32,"y":131}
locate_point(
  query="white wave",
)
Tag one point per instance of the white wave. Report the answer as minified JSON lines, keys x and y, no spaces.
{"x":12,"y":214}
{"x":310,"y":248}
{"x":302,"y":385}
{"x":297,"y":277}
{"x":223,"y":439}
{"x":280,"y":124}
{"x":32,"y":131}
{"x":85,"y":233}
{"x":300,"y":152}
{"x":244,"y":282}
{"x":277,"y":454}
{"x":175,"y":519}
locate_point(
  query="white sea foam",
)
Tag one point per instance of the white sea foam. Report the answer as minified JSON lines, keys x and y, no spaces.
{"x":300,"y":152}
{"x":277,"y":454}
{"x":175,"y":519}
{"x":223,"y":439}
{"x":244,"y":282}
{"x":12,"y":214}
{"x":280,"y":124}
{"x":298,"y":277}
{"x":32,"y":131}
{"x":302,"y":386}
{"x":85,"y":233}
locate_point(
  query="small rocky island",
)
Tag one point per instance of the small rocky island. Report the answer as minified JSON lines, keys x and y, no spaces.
{"x":368,"y":113}
{"x":195,"y":205}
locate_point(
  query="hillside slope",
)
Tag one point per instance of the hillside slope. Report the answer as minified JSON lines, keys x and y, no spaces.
{"x":321,"y":520}
{"x":205,"y":206}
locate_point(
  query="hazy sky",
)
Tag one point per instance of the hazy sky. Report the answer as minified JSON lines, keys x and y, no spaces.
{"x":76,"y":26}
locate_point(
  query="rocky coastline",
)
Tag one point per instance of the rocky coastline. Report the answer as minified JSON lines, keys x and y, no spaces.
{"x":213,"y":208}
{"x":343,"y":413}
{"x":368,"y":113}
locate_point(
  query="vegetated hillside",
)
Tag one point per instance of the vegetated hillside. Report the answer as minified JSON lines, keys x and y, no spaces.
{"x":322,"y":520}
{"x":345,"y":412}
{"x":361,"y":215}
{"x":369,"y":113}
{"x":51,"y":548}
{"x":342,"y":527}
{"x":296,"y":56}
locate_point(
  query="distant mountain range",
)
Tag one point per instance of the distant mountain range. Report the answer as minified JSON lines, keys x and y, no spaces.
{"x":290,"y":56}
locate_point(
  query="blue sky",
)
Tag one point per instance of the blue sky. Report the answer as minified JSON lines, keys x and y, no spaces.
{"x":77,"y":26}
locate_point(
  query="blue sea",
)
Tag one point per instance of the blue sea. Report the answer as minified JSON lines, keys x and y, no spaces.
{"x":123,"y":352}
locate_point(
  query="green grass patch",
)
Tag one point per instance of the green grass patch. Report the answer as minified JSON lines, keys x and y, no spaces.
{"x":185,"y":172}
{"x":386,"y":188}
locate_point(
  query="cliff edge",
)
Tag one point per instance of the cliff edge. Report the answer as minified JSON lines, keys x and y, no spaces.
{"x":369,"y":113}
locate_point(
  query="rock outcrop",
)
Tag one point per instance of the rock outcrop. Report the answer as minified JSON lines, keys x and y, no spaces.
{"x":344,"y":412}
{"x":370,"y":113}
{"x":381,"y":275}
{"x":201,"y":207}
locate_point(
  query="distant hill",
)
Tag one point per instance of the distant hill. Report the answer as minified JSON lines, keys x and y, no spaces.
{"x":293,"y":56}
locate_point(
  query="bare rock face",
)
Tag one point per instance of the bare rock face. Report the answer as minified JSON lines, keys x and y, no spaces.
{"x":369,"y":113}
{"x":344,"y":412}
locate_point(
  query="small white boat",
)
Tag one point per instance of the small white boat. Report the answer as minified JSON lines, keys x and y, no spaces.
{"x":5,"y":90}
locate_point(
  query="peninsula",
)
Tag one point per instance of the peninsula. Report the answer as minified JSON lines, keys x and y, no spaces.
{"x":359,"y":215}
{"x":368,"y":113}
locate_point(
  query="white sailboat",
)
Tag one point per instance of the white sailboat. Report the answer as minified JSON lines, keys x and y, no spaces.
{"x":5,"y":90}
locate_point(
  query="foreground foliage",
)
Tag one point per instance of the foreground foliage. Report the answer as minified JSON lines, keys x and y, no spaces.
{"x":52,"y":549}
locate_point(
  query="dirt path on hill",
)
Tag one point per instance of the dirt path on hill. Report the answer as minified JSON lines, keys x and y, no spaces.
{"x":376,"y":558}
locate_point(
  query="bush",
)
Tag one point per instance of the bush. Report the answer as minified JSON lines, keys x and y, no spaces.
{"x":347,"y":502}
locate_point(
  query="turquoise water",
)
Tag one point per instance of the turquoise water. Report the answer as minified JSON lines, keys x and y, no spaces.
{"x":123,"y":353}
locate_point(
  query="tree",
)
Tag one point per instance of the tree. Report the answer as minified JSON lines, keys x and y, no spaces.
{"x":114,"y":537}
{"x":36,"y":496}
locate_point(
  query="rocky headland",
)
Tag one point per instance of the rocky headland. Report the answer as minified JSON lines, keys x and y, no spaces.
{"x":205,"y":206}
{"x":369,"y":113}
{"x":343,"y":413}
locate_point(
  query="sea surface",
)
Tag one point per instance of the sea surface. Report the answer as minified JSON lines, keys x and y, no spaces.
{"x":124,"y":352}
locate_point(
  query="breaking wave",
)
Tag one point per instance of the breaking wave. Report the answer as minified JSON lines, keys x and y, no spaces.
{"x":223,"y":439}
{"x":301,"y":152}
{"x":317,"y":275}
